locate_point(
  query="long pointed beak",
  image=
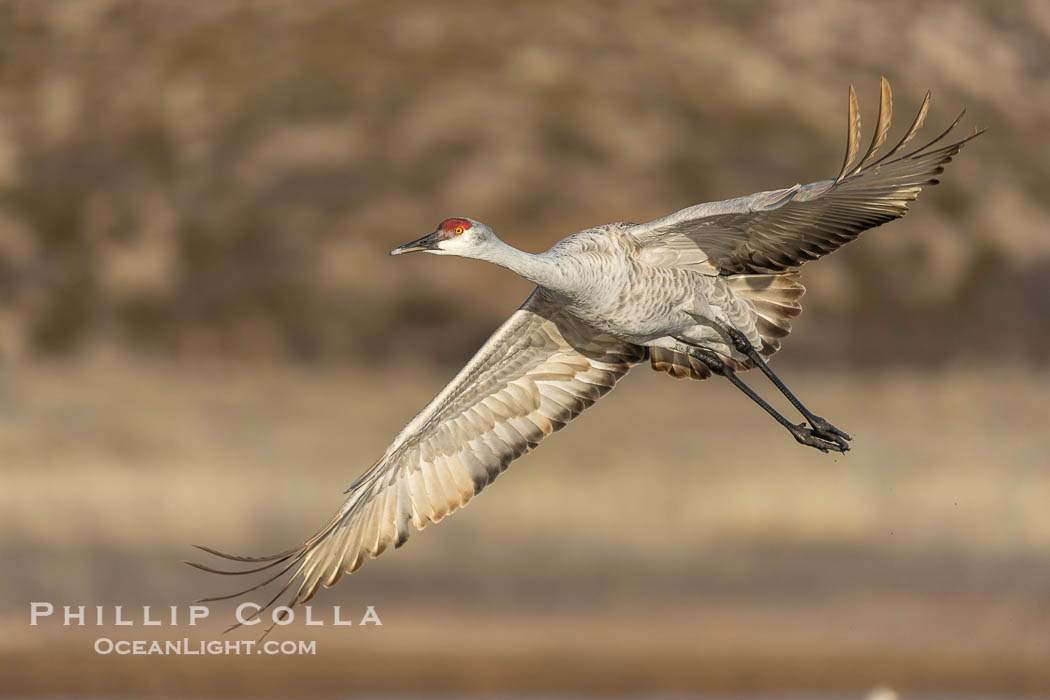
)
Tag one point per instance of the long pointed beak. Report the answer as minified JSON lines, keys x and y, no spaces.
{"x":427,"y":242}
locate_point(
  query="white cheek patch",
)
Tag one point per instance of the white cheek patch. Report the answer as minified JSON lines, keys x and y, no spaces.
{"x":442,"y":247}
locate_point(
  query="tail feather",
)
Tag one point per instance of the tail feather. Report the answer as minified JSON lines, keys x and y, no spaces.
{"x":677,"y":364}
{"x":774,"y":298}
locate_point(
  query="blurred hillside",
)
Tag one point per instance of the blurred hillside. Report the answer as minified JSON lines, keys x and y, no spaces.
{"x":226,"y":178}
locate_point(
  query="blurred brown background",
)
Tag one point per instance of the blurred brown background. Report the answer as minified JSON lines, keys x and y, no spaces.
{"x":203,"y":340}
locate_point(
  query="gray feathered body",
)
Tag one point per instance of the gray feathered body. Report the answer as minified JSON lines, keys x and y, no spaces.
{"x":643,"y":299}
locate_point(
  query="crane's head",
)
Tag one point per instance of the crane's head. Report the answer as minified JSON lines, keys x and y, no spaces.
{"x":463,"y":237}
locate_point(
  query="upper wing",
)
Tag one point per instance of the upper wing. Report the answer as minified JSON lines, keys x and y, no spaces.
{"x":778,"y":230}
{"x":534,"y":375}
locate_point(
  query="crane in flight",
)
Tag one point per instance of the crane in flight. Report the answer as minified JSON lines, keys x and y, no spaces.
{"x":707,"y":290}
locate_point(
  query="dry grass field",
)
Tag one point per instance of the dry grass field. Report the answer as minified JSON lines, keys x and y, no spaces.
{"x":673,"y":538}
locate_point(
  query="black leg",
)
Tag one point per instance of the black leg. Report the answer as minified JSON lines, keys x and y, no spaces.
{"x":821,"y":427}
{"x":800,"y":432}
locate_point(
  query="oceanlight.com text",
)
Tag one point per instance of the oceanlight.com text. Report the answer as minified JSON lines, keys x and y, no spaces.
{"x":186,"y":647}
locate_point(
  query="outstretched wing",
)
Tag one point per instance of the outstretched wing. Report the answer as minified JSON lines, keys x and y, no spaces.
{"x":779,"y":230}
{"x":534,"y":375}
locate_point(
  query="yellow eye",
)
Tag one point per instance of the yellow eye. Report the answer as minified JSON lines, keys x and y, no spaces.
{"x":459,"y":230}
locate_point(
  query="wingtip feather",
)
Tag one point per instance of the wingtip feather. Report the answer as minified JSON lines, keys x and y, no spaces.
{"x":882,"y":125}
{"x":852,"y":133}
{"x":237,"y":557}
{"x":920,"y":119}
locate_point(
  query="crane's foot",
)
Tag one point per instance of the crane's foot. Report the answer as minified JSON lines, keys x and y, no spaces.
{"x":822,"y":442}
{"x":822,"y":436}
{"x":827,"y":431}
{"x":821,"y":429}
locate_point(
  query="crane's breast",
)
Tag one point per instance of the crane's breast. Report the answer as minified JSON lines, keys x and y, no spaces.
{"x":622,"y":296}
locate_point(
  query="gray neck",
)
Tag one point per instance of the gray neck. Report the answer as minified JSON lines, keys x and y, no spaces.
{"x":539,"y":269}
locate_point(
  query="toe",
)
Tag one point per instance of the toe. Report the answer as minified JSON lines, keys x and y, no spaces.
{"x":825,"y":429}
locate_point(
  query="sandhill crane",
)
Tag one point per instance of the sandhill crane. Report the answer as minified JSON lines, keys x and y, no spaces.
{"x":707,"y":290}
